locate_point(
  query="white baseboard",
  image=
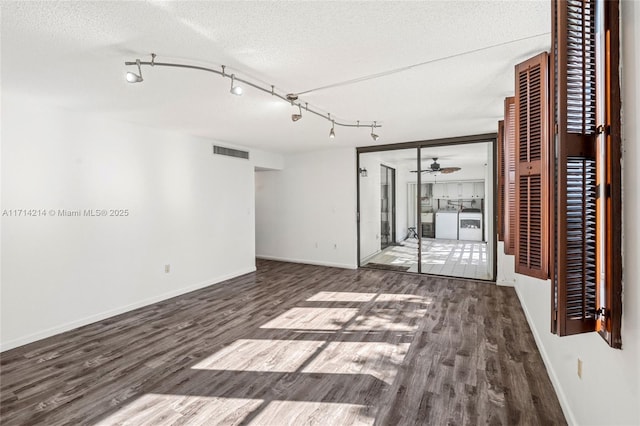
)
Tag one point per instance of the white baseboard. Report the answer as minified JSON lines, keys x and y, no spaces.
{"x":562,"y":398}
{"x":5,"y":346}
{"x":308,"y":262}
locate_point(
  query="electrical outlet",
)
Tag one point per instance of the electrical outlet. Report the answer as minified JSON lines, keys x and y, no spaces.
{"x":335,"y":246}
{"x":167,"y":268}
{"x":579,"y":368}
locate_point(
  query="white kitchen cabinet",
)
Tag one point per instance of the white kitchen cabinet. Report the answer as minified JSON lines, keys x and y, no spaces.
{"x":454,"y":190}
{"x":440,"y":191}
{"x":478,"y":190}
{"x":468,"y":190}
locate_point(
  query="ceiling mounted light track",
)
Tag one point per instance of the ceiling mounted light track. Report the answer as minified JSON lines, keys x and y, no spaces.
{"x":237,"y":90}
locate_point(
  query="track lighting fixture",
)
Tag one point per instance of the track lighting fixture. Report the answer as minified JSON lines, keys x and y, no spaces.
{"x":373,"y":135}
{"x":292,"y":98}
{"x":133,"y":77}
{"x":236,"y":90}
{"x":296,"y":117}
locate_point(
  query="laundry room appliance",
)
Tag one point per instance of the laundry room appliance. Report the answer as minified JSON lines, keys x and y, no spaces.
{"x":470,"y":225}
{"x":447,"y":225}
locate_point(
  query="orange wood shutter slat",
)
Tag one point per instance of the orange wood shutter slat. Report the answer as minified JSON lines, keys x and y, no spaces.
{"x":532,"y":166}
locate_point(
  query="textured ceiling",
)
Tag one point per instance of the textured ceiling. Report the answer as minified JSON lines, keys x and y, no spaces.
{"x":72,"y":54}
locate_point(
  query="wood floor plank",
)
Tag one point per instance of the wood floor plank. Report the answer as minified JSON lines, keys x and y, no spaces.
{"x":293,"y":344}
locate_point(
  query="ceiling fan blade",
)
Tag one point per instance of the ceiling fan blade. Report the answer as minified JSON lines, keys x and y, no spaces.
{"x":447,"y":170}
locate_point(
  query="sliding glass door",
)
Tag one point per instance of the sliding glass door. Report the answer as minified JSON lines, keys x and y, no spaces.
{"x":428,"y":209}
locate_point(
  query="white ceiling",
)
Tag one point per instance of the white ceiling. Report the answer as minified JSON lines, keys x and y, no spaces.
{"x":72,"y":54}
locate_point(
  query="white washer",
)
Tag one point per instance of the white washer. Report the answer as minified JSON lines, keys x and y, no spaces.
{"x":447,"y":225}
{"x":470,"y":226}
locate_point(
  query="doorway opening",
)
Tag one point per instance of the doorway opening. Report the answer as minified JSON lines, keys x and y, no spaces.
{"x":436,"y":211}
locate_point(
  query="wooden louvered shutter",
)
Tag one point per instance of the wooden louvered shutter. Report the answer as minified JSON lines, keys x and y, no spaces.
{"x":500,"y":191}
{"x":509,"y":176}
{"x":532,"y":166}
{"x":574,"y":281}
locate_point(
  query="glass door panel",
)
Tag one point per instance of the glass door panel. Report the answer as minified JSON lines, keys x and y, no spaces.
{"x":388,"y":237}
{"x":455,"y":214}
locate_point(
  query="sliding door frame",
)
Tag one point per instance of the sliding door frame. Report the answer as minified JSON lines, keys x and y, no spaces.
{"x":491,"y":138}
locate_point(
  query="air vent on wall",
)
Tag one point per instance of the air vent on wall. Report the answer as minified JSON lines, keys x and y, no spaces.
{"x":230,"y":152}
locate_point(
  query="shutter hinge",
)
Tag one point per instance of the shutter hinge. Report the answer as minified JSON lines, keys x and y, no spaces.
{"x":607,"y":191}
{"x":603,"y":128}
{"x":602,"y":312}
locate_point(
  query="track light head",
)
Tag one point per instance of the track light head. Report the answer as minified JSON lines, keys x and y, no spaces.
{"x":132,"y":77}
{"x":332,"y":132}
{"x":296,"y":117}
{"x":373,"y":135}
{"x":236,"y":90}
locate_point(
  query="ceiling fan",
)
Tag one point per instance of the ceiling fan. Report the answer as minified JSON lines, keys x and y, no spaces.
{"x":435,"y":167}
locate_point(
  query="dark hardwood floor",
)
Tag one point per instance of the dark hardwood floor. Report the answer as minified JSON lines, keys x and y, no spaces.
{"x":293,"y":344}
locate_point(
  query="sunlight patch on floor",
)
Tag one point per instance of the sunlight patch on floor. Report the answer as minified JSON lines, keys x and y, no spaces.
{"x":341,"y":296}
{"x":378,"y":359}
{"x":310,"y":413}
{"x":312,"y":319}
{"x":282,"y":356}
{"x":158,"y":409}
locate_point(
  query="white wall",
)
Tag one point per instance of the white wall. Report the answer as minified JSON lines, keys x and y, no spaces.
{"x":608,"y":391}
{"x":307,"y":212}
{"x":370,"y":215}
{"x":186,"y":207}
